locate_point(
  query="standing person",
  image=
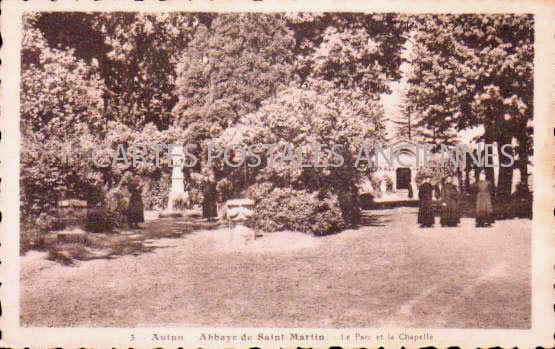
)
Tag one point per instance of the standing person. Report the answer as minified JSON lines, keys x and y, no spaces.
{"x":135,"y":209}
{"x":425,"y":207}
{"x":209,"y":207}
{"x":450,"y":204}
{"x":484,"y":208}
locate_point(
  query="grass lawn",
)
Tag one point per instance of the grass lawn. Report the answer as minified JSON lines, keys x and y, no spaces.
{"x":388,"y":273}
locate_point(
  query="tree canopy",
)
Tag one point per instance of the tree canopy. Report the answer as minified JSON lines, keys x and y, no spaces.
{"x":476,"y":70}
{"x":290,"y":78}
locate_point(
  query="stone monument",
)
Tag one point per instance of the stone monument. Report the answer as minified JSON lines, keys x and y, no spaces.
{"x":238,"y":211}
{"x":177,"y":189}
{"x":72,"y":212}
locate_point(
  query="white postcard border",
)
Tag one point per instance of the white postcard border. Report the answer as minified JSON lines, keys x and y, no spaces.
{"x":543,"y":242}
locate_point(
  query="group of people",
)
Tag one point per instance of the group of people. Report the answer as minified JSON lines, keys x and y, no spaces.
{"x":449,"y":194}
{"x":450,"y":197}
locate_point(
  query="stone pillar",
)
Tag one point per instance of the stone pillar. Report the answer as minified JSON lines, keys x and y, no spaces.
{"x":177,"y":189}
{"x":177,"y":180}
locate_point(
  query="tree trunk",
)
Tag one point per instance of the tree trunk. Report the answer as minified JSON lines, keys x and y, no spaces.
{"x":460,"y":178}
{"x":348,"y":191}
{"x":523,"y":169}
{"x":505,"y":176}
{"x":489,"y":135}
{"x":467,"y":168}
{"x":522,"y":164}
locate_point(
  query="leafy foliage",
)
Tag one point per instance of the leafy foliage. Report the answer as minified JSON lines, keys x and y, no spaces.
{"x":232,"y":64}
{"x":296,"y":210}
{"x":292,"y":79}
{"x":61,"y":108}
{"x":296,"y":119}
{"x":476,"y":70}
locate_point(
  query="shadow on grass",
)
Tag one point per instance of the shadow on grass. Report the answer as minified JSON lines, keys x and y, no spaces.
{"x":125,"y":242}
{"x":374,"y":220}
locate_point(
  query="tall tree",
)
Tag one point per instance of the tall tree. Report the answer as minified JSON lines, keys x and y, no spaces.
{"x":424,"y":126}
{"x":477,"y":70}
{"x":300,"y":118}
{"x":189,"y":77}
{"x":61,"y":112}
{"x":135,"y":54}
{"x":405,"y":124}
{"x":233,"y":63}
{"x":351,"y":50}
{"x":140,"y":68}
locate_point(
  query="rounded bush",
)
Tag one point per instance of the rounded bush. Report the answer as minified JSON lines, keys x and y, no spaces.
{"x":296,"y":210}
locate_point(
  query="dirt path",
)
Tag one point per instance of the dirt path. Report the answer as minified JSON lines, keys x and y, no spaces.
{"x":389,"y":273}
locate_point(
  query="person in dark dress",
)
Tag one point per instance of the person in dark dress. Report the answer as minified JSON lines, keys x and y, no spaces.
{"x":425,"y":206}
{"x":449,"y":204}
{"x":209,"y":203}
{"x":135,"y":209}
{"x":484,"y":208}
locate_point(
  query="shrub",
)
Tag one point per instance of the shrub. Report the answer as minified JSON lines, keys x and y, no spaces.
{"x":112,"y":213}
{"x":50,"y":221}
{"x":196,"y":196}
{"x":99,"y":220}
{"x":297,"y":210}
{"x":30,"y":238}
{"x":349,"y":203}
{"x":33,"y":231}
{"x":156,"y":192}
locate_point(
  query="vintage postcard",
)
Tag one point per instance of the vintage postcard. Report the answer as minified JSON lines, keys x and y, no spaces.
{"x":277,"y":174}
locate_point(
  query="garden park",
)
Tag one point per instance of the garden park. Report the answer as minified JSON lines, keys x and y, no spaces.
{"x":345,"y":233}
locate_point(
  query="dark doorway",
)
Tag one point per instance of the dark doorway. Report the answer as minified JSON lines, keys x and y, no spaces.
{"x":403,"y":178}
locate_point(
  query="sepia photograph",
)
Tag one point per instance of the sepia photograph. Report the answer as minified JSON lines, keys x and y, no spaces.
{"x":277,"y":170}
{"x":435,"y":245}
